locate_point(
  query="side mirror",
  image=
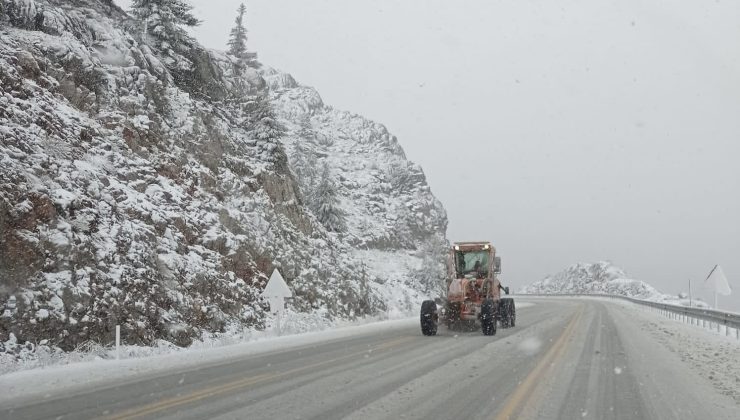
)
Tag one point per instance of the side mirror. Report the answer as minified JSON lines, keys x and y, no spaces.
{"x":506,"y":290}
{"x":497,"y":265}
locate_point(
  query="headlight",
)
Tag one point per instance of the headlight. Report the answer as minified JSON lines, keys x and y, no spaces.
{"x":457,"y":248}
{"x":486,"y":246}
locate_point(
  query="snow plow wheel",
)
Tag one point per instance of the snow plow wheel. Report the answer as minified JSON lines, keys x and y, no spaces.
{"x":429,"y":317}
{"x":488,"y":317}
{"x":512,"y":320}
{"x":508,"y":314}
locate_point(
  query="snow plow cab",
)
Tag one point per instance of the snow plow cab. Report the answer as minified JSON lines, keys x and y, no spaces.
{"x":473,"y":293}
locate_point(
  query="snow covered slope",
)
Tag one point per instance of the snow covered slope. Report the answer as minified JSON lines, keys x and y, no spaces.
{"x":602,"y":277}
{"x":393,"y":220}
{"x":161,"y":198}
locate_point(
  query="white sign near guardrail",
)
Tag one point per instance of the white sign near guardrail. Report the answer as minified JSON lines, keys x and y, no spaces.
{"x":717,"y":282}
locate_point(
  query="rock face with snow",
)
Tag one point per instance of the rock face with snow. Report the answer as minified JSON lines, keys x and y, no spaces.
{"x":600,"y":278}
{"x":159,"y":199}
{"x":393,"y":219}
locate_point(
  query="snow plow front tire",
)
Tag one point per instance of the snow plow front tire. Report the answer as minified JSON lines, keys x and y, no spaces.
{"x":429,"y":317}
{"x":488,"y":317}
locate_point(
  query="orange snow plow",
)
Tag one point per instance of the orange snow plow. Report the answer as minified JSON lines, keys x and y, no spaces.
{"x":473,"y":293}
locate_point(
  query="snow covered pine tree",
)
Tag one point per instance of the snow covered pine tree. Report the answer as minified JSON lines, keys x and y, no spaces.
{"x":238,"y":43}
{"x":261,"y":121}
{"x":304,"y":165}
{"x":326,"y":205}
{"x":303,"y":159}
{"x":162,"y":21}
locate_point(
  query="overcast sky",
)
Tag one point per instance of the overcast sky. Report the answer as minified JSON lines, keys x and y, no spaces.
{"x":562,"y":131}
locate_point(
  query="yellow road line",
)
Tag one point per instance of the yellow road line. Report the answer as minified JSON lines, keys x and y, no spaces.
{"x":516,"y":401}
{"x":195,"y":396}
{"x":392,"y":343}
{"x":240,"y":383}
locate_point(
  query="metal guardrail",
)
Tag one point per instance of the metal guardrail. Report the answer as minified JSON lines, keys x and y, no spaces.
{"x":728,"y":319}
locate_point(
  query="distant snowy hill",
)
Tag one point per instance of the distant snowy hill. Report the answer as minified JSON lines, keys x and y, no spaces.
{"x":160,"y":195}
{"x":602,"y":278}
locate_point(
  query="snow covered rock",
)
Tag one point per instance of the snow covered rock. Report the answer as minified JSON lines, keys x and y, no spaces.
{"x":159,"y":197}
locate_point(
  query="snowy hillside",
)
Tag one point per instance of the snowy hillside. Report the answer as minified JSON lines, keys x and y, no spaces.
{"x":160,"y":193}
{"x":602,"y":278}
{"x":392,"y":219}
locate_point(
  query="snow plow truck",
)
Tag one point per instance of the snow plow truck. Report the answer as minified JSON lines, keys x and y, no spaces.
{"x":473,"y":293}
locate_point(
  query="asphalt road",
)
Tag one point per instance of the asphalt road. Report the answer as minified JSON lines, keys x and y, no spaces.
{"x":565,"y":359}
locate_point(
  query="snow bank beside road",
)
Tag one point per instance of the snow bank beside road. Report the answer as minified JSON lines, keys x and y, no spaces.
{"x":714,"y":357}
{"x":31,"y":356}
{"x":45,"y":382}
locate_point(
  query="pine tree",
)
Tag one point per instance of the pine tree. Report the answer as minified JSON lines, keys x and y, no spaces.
{"x":303,"y":162}
{"x":163,"y":22}
{"x":306,"y":131}
{"x":261,"y":121}
{"x":326,"y":205}
{"x":238,"y":42}
{"x":364,"y":303}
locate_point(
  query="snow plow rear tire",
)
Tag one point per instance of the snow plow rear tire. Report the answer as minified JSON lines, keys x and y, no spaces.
{"x":429,"y":317}
{"x":507,"y":313}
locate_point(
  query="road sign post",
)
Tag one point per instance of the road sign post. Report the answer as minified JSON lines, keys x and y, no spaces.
{"x":276,"y":292}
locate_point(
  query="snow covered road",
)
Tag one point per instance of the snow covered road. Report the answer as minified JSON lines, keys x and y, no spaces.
{"x":566,"y":358}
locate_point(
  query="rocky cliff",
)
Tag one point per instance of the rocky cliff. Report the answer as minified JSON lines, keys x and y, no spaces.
{"x":136,"y":194}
